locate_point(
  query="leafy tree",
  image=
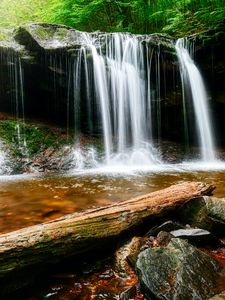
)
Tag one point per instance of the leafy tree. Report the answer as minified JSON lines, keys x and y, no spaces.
{"x":14,"y":12}
{"x":176,"y":17}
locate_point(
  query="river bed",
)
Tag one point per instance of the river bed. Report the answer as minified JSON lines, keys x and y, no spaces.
{"x":29,"y":200}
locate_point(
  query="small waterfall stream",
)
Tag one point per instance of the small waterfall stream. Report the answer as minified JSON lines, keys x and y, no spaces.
{"x":17,"y":99}
{"x":191,"y":78}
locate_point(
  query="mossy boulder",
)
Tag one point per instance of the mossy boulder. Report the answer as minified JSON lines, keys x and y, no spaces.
{"x":34,"y":147}
{"x":178,"y":271}
{"x":43,"y":36}
{"x":8,"y":42}
{"x":205,"y":212}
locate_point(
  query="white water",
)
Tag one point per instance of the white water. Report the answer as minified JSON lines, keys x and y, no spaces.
{"x":120,"y":79}
{"x":121,"y":85}
{"x":191,"y":77}
{"x":17,"y":100}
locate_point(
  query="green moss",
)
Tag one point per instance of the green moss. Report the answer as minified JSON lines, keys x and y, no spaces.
{"x":37,"y":138}
{"x":5,"y":35}
{"x":44,"y":33}
{"x":61,"y":33}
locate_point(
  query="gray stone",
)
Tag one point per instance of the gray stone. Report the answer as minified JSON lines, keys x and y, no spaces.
{"x":196,"y":236}
{"x":178,"y":271}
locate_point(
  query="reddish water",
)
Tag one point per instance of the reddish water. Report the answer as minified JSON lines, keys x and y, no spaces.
{"x":29,"y":201}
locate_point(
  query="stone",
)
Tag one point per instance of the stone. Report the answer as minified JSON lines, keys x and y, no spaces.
{"x":166,"y":226}
{"x":218,"y":297}
{"x":178,"y":271}
{"x":128,"y":293}
{"x":196,"y":236}
{"x":43,"y":36}
{"x":205,"y":212}
{"x":127,"y":255}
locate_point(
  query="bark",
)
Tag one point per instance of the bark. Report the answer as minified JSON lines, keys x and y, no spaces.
{"x":25,"y":252}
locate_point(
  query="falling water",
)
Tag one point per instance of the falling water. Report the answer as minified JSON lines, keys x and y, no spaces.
{"x":191,"y":76}
{"x":121,"y":84}
{"x":17,"y":99}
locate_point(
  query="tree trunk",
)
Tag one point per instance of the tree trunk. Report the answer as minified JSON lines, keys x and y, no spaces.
{"x":25,"y":251}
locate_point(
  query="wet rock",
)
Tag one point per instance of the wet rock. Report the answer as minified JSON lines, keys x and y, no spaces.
{"x":196,"y":236}
{"x":218,"y":297}
{"x":8,"y":42}
{"x":205,"y":212}
{"x":128,"y":294}
{"x":163,"y":238}
{"x":132,"y":293}
{"x":178,"y":271}
{"x":127,"y":255}
{"x":43,"y":36}
{"x":166,"y":226}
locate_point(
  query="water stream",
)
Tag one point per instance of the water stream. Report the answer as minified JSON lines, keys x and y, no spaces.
{"x":192,"y":79}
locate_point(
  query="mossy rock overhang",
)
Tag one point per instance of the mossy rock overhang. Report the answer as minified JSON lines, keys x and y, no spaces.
{"x":8,"y":43}
{"x":52,"y":37}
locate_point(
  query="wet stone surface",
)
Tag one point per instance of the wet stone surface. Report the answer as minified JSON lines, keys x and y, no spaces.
{"x":165,"y":271}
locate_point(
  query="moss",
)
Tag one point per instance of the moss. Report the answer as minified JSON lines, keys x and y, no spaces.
{"x":37,"y":138}
{"x":61,"y":33}
{"x":3,"y":36}
{"x":44,"y":33}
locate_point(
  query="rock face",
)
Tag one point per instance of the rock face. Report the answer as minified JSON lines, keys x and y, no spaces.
{"x":45,"y":54}
{"x":196,"y":236}
{"x":178,"y":271}
{"x":205,"y":212}
{"x":209,"y":55}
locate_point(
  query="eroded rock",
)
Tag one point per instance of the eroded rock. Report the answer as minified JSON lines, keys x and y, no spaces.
{"x":178,"y":271}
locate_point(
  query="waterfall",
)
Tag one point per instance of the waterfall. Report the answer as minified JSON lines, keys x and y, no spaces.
{"x":120,"y":85}
{"x":119,"y":93}
{"x":191,"y":77}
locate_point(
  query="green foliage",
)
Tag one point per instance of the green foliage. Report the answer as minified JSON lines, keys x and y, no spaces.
{"x":37,"y":139}
{"x":175,"y":17}
{"x":14,"y":12}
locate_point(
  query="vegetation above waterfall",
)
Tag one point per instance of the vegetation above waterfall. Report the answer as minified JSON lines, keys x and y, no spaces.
{"x":175,"y":17}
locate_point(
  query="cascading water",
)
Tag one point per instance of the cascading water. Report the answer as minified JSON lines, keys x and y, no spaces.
{"x":120,"y":98}
{"x":14,"y":72}
{"x":120,"y":79}
{"x":191,"y":78}
{"x":17,"y":99}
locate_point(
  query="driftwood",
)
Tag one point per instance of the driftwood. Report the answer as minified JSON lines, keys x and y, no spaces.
{"x":24,"y":251}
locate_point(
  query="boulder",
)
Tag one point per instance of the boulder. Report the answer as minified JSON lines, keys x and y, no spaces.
{"x":205,"y":212}
{"x":196,"y":236}
{"x":43,"y":36}
{"x":178,"y":271}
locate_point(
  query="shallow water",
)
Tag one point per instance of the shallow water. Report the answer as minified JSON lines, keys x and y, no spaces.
{"x":29,"y":200}
{"x":32,"y":199}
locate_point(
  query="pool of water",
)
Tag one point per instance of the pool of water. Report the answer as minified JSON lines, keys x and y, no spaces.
{"x":28,"y":200}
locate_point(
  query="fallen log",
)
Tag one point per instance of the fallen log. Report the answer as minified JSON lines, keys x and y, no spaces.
{"x":24,"y":251}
